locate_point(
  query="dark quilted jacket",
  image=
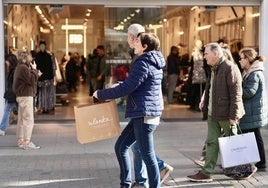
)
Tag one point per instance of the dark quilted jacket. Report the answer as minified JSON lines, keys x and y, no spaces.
{"x":142,"y":86}
{"x":227,"y":92}
{"x":255,"y":101}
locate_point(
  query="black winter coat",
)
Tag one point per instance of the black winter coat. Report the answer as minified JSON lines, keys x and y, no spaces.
{"x":9,"y":94}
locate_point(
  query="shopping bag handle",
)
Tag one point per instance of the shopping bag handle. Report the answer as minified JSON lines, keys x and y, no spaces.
{"x":239,"y":129}
{"x":97,"y":101}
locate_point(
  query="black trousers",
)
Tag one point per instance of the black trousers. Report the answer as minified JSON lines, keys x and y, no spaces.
{"x":257,"y":132}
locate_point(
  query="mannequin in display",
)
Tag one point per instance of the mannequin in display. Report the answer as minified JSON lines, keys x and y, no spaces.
{"x":197,"y":75}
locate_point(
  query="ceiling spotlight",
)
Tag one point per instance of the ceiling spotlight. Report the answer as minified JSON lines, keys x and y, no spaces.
{"x":132,"y":15}
{"x":137,"y":10}
{"x":88,"y":14}
{"x":89,"y":10}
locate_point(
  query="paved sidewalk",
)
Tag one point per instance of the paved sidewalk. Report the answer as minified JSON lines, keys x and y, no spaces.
{"x":64,"y":163}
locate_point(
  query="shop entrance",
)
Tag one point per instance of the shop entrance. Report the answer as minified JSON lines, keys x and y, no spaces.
{"x":107,"y":24}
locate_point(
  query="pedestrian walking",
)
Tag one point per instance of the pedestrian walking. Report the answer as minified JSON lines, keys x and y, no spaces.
{"x":142,"y":88}
{"x":139,"y":166}
{"x":254,"y":99}
{"x":201,"y":162}
{"x":223,"y":102}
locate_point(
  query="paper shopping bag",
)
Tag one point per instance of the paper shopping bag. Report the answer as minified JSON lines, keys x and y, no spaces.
{"x":238,"y":149}
{"x":95,"y":122}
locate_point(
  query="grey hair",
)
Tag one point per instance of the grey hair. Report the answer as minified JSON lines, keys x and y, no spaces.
{"x":215,"y":47}
{"x":135,"y":29}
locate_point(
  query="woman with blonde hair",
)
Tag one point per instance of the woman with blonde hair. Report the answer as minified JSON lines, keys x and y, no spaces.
{"x":24,"y":86}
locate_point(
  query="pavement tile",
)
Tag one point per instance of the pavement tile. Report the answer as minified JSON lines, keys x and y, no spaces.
{"x":64,"y":163}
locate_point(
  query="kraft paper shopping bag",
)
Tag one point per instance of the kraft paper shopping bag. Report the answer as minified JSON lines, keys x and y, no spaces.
{"x":96,"y":122}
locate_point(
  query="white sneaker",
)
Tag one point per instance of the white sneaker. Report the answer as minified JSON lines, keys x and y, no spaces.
{"x":21,"y":146}
{"x":164,"y":173}
{"x":2,"y":133}
{"x":31,"y":145}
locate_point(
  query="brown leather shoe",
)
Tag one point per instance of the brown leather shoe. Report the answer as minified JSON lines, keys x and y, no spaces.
{"x":200,"y":177}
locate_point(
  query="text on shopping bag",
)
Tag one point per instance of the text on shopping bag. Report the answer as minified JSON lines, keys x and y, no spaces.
{"x":96,"y":122}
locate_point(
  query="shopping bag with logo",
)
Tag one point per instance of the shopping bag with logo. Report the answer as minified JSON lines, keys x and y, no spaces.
{"x":96,"y":122}
{"x":238,"y":150}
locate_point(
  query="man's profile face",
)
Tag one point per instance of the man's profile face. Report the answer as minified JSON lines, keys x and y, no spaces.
{"x":210,"y":56}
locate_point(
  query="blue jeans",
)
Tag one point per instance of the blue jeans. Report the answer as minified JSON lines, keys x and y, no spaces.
{"x":142,"y":133}
{"x":139,"y":166}
{"x":5,"y":118}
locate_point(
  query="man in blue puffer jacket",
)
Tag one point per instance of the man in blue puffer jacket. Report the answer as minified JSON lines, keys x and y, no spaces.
{"x":143,"y":107}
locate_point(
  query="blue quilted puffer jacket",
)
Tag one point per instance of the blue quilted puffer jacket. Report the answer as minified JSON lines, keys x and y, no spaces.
{"x":142,"y":86}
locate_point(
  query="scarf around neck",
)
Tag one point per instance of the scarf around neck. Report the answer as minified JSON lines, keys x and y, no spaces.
{"x":257,"y":65}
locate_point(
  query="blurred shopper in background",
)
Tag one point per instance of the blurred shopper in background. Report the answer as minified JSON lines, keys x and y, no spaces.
{"x":101,"y":69}
{"x":173,"y":71}
{"x":46,"y":90}
{"x":92,"y":67}
{"x":72,"y":72}
{"x":10,"y":97}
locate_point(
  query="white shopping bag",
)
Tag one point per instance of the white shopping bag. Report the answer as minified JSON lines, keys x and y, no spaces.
{"x":238,"y":149}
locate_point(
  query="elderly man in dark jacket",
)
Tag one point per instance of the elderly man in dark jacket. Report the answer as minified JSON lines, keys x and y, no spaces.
{"x":224,"y":104}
